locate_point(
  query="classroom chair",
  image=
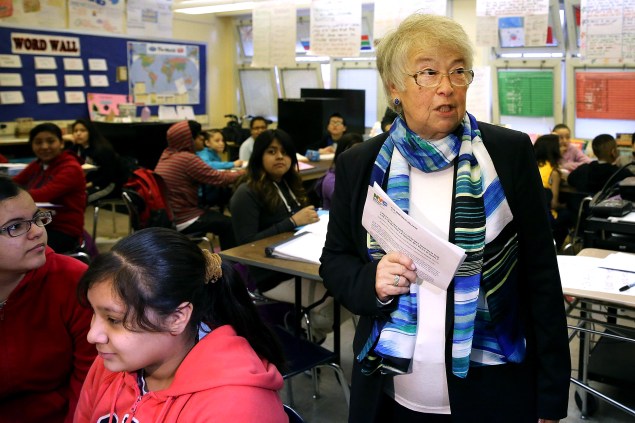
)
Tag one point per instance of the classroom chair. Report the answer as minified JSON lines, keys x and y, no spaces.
{"x":293,"y":415}
{"x":131,"y":199}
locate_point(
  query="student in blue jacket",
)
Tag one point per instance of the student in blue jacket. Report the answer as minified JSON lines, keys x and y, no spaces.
{"x":214,"y":147}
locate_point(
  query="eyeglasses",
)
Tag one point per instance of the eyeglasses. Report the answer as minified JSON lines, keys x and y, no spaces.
{"x":429,"y":78}
{"x":336,"y":123}
{"x":23,"y":226}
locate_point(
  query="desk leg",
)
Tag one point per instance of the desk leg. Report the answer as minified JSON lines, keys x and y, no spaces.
{"x":583,"y":361}
{"x":298,"y":306}
{"x":336,"y":331}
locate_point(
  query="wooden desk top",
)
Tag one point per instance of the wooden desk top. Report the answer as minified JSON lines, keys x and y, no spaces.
{"x":622,"y":300}
{"x":319,"y":169}
{"x":254,"y":254}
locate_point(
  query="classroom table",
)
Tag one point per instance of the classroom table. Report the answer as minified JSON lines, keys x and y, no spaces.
{"x":319,"y":169}
{"x":253,"y":254}
{"x":591,"y":305}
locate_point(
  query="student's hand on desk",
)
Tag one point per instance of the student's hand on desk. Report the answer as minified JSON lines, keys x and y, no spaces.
{"x":238,"y":163}
{"x":305,"y":216}
{"x":327,"y":150}
{"x":395,"y":273}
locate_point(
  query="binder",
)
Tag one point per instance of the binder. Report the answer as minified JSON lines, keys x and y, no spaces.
{"x":305,"y":247}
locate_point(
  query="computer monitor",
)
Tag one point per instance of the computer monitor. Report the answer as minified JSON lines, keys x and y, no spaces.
{"x":353,"y":108}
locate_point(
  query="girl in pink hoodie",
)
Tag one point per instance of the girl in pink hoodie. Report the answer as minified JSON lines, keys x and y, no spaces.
{"x":178,"y":338}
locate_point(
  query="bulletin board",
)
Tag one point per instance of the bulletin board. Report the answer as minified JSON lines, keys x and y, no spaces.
{"x":111,"y":51}
{"x":525,"y":92}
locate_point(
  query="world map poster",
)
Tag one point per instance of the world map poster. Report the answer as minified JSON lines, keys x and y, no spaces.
{"x":164,"y":73}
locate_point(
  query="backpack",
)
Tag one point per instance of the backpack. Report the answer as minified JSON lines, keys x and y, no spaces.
{"x":150,"y":200}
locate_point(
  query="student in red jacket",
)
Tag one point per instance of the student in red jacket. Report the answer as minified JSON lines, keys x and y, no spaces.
{"x":44,"y":354}
{"x":56,"y":177}
{"x":178,"y":338}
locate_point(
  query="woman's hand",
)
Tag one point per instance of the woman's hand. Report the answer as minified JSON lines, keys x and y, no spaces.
{"x":395,"y":273}
{"x":305,"y":216}
{"x":238,"y":163}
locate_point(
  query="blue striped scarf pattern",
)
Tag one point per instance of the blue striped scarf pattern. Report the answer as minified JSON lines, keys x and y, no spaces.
{"x":482,"y":217}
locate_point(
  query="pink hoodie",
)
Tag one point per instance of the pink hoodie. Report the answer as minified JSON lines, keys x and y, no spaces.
{"x":221,"y":379}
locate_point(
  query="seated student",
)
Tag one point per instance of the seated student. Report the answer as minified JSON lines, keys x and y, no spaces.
{"x":178,"y":336}
{"x":624,"y":160}
{"x":56,"y":177}
{"x":271,"y":200}
{"x":257,"y":125}
{"x":92,"y":148}
{"x":591,"y":177}
{"x":183,"y":173}
{"x":44,"y":353}
{"x":572,"y":156}
{"x":326,"y":184}
{"x":211,"y":195}
{"x":214,"y":146}
{"x":548,"y":151}
{"x":335,"y":128}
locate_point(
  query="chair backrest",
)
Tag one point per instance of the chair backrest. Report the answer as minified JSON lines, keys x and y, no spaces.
{"x":153,"y":209}
{"x":293,"y":415}
{"x":132,"y":201}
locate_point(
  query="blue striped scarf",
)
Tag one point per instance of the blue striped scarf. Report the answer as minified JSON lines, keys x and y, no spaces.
{"x":482,"y":220}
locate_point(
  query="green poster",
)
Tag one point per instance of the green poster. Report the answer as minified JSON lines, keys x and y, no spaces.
{"x":525,"y":93}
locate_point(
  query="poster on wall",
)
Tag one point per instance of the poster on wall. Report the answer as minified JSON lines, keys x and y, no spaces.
{"x":102,"y":15}
{"x":34,"y":13}
{"x":164,"y":73}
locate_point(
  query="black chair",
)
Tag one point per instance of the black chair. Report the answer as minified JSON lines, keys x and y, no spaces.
{"x":113,"y":204}
{"x":132,"y":200}
{"x":293,"y":415}
{"x":303,"y":355}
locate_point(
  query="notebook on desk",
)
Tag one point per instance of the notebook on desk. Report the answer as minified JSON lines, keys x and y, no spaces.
{"x":306,"y":247}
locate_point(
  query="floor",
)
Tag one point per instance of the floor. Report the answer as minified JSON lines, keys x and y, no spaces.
{"x":331,"y":407}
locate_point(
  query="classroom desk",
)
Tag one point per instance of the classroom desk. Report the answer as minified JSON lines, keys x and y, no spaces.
{"x":591,"y":305}
{"x":319,"y":169}
{"x":606,"y":233}
{"x":253,"y":254}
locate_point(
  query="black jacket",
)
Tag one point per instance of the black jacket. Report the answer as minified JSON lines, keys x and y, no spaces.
{"x":539,"y":387}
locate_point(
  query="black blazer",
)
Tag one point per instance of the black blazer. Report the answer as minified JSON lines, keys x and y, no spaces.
{"x":537,"y":388}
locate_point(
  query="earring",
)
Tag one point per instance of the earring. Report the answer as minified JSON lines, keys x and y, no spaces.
{"x":396,"y":101}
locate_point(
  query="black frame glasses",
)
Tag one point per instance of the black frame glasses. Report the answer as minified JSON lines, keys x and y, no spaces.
{"x":430,"y":78}
{"x":21,"y":227}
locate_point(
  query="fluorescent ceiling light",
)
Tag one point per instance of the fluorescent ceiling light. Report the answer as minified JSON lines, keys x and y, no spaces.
{"x":218,"y":8}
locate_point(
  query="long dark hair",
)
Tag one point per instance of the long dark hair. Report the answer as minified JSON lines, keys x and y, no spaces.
{"x":95,"y":138}
{"x":158,"y":269}
{"x":259,"y":181}
{"x":547,"y":150}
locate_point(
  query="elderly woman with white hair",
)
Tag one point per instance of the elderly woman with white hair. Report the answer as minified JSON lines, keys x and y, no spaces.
{"x":492,"y":346}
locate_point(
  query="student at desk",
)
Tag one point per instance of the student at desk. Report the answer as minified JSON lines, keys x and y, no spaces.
{"x":548,"y":151}
{"x":257,"y":125}
{"x":183,"y":173}
{"x":335,"y":128}
{"x":92,"y":148}
{"x":214,"y":145}
{"x":591,"y":177}
{"x":572,"y":157}
{"x":56,"y":177}
{"x":271,"y":201}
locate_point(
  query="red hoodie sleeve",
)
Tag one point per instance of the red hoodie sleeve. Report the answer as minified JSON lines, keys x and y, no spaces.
{"x":78,"y":321}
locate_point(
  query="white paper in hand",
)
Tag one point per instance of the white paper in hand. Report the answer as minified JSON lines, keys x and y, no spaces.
{"x":436,"y":259}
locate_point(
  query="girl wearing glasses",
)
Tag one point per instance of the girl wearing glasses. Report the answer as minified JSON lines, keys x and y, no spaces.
{"x":44,"y":354}
{"x":56,"y":177}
